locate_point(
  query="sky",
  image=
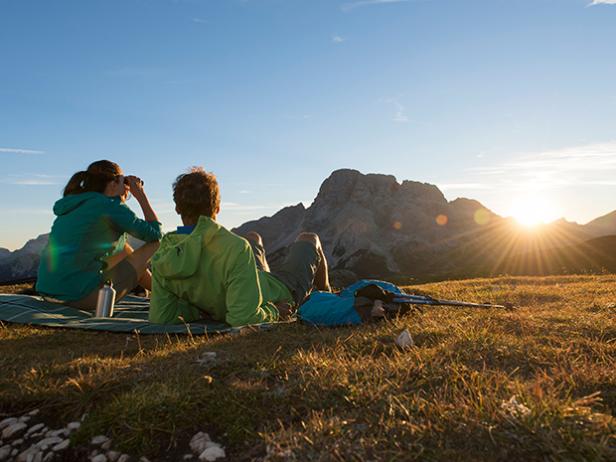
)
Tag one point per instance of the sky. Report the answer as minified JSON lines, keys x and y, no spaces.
{"x":512,"y":103}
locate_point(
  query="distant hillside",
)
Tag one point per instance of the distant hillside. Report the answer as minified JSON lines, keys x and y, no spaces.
{"x":373,"y":226}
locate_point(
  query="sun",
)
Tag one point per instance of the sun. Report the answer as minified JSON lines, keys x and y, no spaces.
{"x":531,"y":211}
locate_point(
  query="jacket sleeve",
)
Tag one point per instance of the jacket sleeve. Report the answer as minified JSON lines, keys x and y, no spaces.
{"x":125,"y":220}
{"x":243,"y":293}
{"x":168,"y":308}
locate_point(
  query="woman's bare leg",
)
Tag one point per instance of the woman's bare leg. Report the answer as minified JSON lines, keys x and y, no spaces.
{"x":139,"y":259}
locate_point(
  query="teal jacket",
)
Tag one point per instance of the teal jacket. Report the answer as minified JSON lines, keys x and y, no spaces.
{"x":213,"y":271}
{"x":88,"y":227}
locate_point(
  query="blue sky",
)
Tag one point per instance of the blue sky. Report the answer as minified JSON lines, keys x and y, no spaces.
{"x":509,"y":102}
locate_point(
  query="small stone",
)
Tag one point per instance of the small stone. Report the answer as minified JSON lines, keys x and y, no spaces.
{"x":24,"y":418}
{"x":112,"y":456}
{"x":99,"y":458}
{"x":144,"y":459}
{"x":49,"y":457}
{"x":13,"y":430}
{"x":18,"y":442}
{"x":106,"y":445}
{"x":14,"y":452}
{"x":28,"y":454}
{"x":405,"y":340}
{"x":34,"y":412}
{"x":61,"y":432}
{"x":8,"y":421}
{"x":124,"y":458}
{"x":198,"y":443}
{"x":213,"y":453}
{"x":34,"y":428}
{"x":61,"y":446}
{"x":98,"y":440}
{"x":38,"y":457}
{"x":5,"y":452}
{"x":73,"y":426}
{"x":49,"y":441}
{"x":187,"y":456}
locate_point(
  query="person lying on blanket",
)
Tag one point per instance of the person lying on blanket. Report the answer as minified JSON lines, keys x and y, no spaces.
{"x":87,"y":244}
{"x":204,"y":269}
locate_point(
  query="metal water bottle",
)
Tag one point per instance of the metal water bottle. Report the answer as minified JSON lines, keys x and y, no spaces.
{"x":106,"y":300}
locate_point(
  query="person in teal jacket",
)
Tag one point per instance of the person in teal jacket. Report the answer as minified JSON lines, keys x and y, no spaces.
{"x":87,"y":244}
{"x":204,"y":270}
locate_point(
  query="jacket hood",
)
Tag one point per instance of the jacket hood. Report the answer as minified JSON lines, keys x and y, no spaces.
{"x":71,"y":202}
{"x":179,"y":254}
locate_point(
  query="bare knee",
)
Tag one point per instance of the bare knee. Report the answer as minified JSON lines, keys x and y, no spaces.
{"x":254,"y":237}
{"x":309,"y":237}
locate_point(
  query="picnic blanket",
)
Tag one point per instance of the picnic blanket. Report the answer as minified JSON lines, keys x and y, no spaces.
{"x":130,"y":315}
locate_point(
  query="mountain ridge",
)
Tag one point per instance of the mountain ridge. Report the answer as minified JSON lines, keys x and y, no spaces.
{"x":371,"y":225}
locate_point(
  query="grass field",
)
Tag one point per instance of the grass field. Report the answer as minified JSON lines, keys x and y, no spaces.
{"x":349,"y":394}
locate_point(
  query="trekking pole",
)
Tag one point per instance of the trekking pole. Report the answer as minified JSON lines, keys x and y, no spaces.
{"x":427,"y":300}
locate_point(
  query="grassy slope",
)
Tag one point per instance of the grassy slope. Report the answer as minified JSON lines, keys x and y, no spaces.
{"x":301,"y":393}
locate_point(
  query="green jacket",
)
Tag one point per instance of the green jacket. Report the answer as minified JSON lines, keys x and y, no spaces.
{"x":211,"y":270}
{"x":88,"y":227}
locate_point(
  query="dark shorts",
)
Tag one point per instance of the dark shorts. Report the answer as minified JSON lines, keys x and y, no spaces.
{"x":298,"y":269}
{"x":124,"y":278}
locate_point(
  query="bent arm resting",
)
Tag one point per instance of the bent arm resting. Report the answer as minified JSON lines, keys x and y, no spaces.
{"x":167,"y":308}
{"x":243,"y":293}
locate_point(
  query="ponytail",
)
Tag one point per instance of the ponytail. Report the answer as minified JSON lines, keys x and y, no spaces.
{"x":76,"y":184}
{"x":96,"y":178}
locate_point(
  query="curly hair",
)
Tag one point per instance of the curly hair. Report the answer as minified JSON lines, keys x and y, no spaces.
{"x":196,"y":193}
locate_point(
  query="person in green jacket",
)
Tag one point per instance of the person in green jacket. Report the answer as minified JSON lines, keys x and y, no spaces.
{"x":204,"y":270}
{"x":87,"y":244}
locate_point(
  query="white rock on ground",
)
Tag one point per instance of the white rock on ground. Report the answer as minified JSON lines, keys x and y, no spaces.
{"x":61,"y":446}
{"x":8,"y":421}
{"x":99,"y":458}
{"x":74,"y":426}
{"x":35,"y":428}
{"x":405,"y":340}
{"x":34,"y":412}
{"x":124,"y":458}
{"x":14,"y":452}
{"x":198,"y":443}
{"x":28,"y":455}
{"x":61,"y":432}
{"x":106,"y":445}
{"x":49,"y":441}
{"x":187,"y":457}
{"x":98,"y":440}
{"x":144,"y":459}
{"x":5,"y":452}
{"x":17,"y":442}
{"x":49,"y":457}
{"x":24,"y":418}
{"x":214,"y":452}
{"x":13,"y":430}
{"x":113,"y":456}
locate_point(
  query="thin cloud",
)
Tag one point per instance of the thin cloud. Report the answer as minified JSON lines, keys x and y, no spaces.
{"x":592,"y":164}
{"x":400,"y":110}
{"x":31,"y":180}
{"x":353,"y":5}
{"x":20,"y":151}
{"x":338,"y":39}
{"x":199,"y":21}
{"x":602,"y":2}
{"x":452,"y":186}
